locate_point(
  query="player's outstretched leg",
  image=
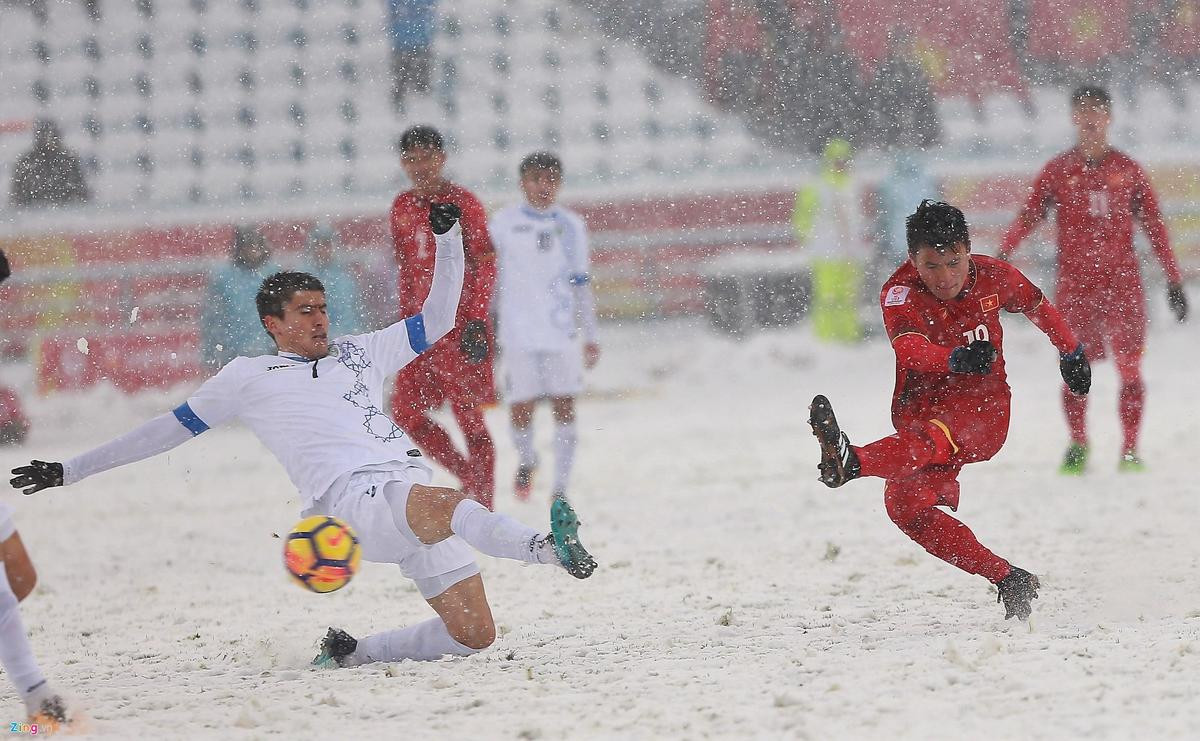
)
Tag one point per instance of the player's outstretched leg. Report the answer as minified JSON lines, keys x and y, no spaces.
{"x":435,"y":514}
{"x":839,"y":463}
{"x":1017,"y":590}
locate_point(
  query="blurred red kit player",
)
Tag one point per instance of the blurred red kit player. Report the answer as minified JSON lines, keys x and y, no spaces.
{"x":458,"y":369}
{"x":1097,"y":192}
{"x":951,"y":402}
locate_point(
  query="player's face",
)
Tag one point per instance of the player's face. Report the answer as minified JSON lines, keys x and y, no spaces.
{"x":540,"y":186}
{"x":423,"y":165}
{"x":944,"y":273}
{"x":304,"y":327}
{"x":1091,"y":123}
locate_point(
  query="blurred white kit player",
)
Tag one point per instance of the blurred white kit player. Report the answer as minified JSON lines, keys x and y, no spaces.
{"x":318,"y":407}
{"x":17,"y":579}
{"x":545,"y":314}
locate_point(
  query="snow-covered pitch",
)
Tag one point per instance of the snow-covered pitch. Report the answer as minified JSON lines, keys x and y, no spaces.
{"x":737,"y":596}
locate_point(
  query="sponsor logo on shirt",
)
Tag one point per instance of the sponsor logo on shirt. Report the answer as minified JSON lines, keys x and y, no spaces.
{"x":896,"y":296}
{"x":990,"y":303}
{"x":277,"y":367}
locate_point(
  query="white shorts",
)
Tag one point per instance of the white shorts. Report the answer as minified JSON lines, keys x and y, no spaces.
{"x":375,"y":505}
{"x":7,"y":526}
{"x":537,"y":374}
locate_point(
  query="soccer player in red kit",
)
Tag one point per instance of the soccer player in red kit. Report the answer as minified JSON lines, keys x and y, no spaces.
{"x":942,"y":310}
{"x":457,"y":370}
{"x":1097,"y":191}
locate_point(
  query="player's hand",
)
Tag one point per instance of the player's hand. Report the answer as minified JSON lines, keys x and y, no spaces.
{"x":36,"y":476}
{"x":1177,"y":300}
{"x":976,"y":358}
{"x":4,"y":269}
{"x":443,"y":217}
{"x":1076,"y":371}
{"x":591,"y":355}
{"x":474,"y":341}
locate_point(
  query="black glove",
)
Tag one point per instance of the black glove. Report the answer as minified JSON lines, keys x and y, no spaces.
{"x":443,"y":216}
{"x":976,"y":358}
{"x":37,"y":475}
{"x":1177,"y":300}
{"x":474,"y":341}
{"x":4,"y":269}
{"x":1076,"y":371}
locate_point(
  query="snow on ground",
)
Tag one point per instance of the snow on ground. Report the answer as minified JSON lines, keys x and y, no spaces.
{"x":737,"y":596}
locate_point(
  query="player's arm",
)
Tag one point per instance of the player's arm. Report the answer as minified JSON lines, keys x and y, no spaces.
{"x":396,"y":346}
{"x":1026,"y":298}
{"x":478,"y":283}
{"x":1145,"y":208}
{"x":218,"y":399}
{"x":159,"y":435}
{"x":1036,"y":207}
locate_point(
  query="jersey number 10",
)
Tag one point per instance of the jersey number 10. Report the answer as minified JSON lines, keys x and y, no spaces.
{"x":979,"y":333}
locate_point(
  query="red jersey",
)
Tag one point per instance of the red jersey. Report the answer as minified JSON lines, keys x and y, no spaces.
{"x":924,"y":330}
{"x":413,"y":241}
{"x":1096,"y":203}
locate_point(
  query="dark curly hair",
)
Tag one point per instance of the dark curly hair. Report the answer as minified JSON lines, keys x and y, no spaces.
{"x":937,"y":225}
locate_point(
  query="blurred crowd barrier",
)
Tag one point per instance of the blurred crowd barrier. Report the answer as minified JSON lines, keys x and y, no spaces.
{"x":125,"y":305}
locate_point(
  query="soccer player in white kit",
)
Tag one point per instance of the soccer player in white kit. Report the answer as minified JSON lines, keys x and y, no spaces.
{"x":545,"y":314}
{"x":17,"y":579}
{"x":318,"y":407}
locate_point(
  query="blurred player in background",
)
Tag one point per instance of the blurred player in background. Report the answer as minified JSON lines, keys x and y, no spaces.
{"x":459,"y":370}
{"x":316,"y":405}
{"x":545,"y":314}
{"x":828,"y":222}
{"x":951,"y":404}
{"x":17,"y":579}
{"x":1097,"y":191}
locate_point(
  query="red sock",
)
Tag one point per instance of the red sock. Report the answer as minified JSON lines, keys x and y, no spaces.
{"x":1075,"y":408}
{"x":479,"y":479}
{"x":435,"y":443}
{"x":912,"y":506}
{"x":1131,"y":399}
{"x":903,"y":454}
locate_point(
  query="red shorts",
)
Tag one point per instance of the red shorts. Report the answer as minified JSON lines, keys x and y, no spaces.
{"x":1106,"y":321}
{"x":976,"y":426}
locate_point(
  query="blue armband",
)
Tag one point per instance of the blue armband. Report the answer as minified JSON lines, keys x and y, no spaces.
{"x":188,"y":419}
{"x":416,"y":333}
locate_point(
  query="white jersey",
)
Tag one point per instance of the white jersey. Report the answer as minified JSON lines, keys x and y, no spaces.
{"x":322,"y":419}
{"x":542,"y":265}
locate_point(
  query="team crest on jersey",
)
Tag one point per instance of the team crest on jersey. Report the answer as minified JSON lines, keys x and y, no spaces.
{"x":990,"y":303}
{"x":896,"y":296}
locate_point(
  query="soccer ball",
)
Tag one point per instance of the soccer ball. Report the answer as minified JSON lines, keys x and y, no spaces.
{"x":322,"y":553}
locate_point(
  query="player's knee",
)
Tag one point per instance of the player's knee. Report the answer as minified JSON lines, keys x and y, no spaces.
{"x":24,"y":587}
{"x":475,"y":634}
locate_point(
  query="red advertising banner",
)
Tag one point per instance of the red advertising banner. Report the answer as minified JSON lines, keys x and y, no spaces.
{"x":128,"y":360}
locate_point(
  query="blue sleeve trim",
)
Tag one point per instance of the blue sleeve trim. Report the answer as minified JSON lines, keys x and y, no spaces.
{"x":416,"y":333}
{"x":580,"y":279}
{"x":188,"y":419}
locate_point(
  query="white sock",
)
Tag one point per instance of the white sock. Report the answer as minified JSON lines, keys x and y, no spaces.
{"x":564,"y":454}
{"x":427,"y":641}
{"x":499,"y":535}
{"x":523,"y":439}
{"x":16,"y":655}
